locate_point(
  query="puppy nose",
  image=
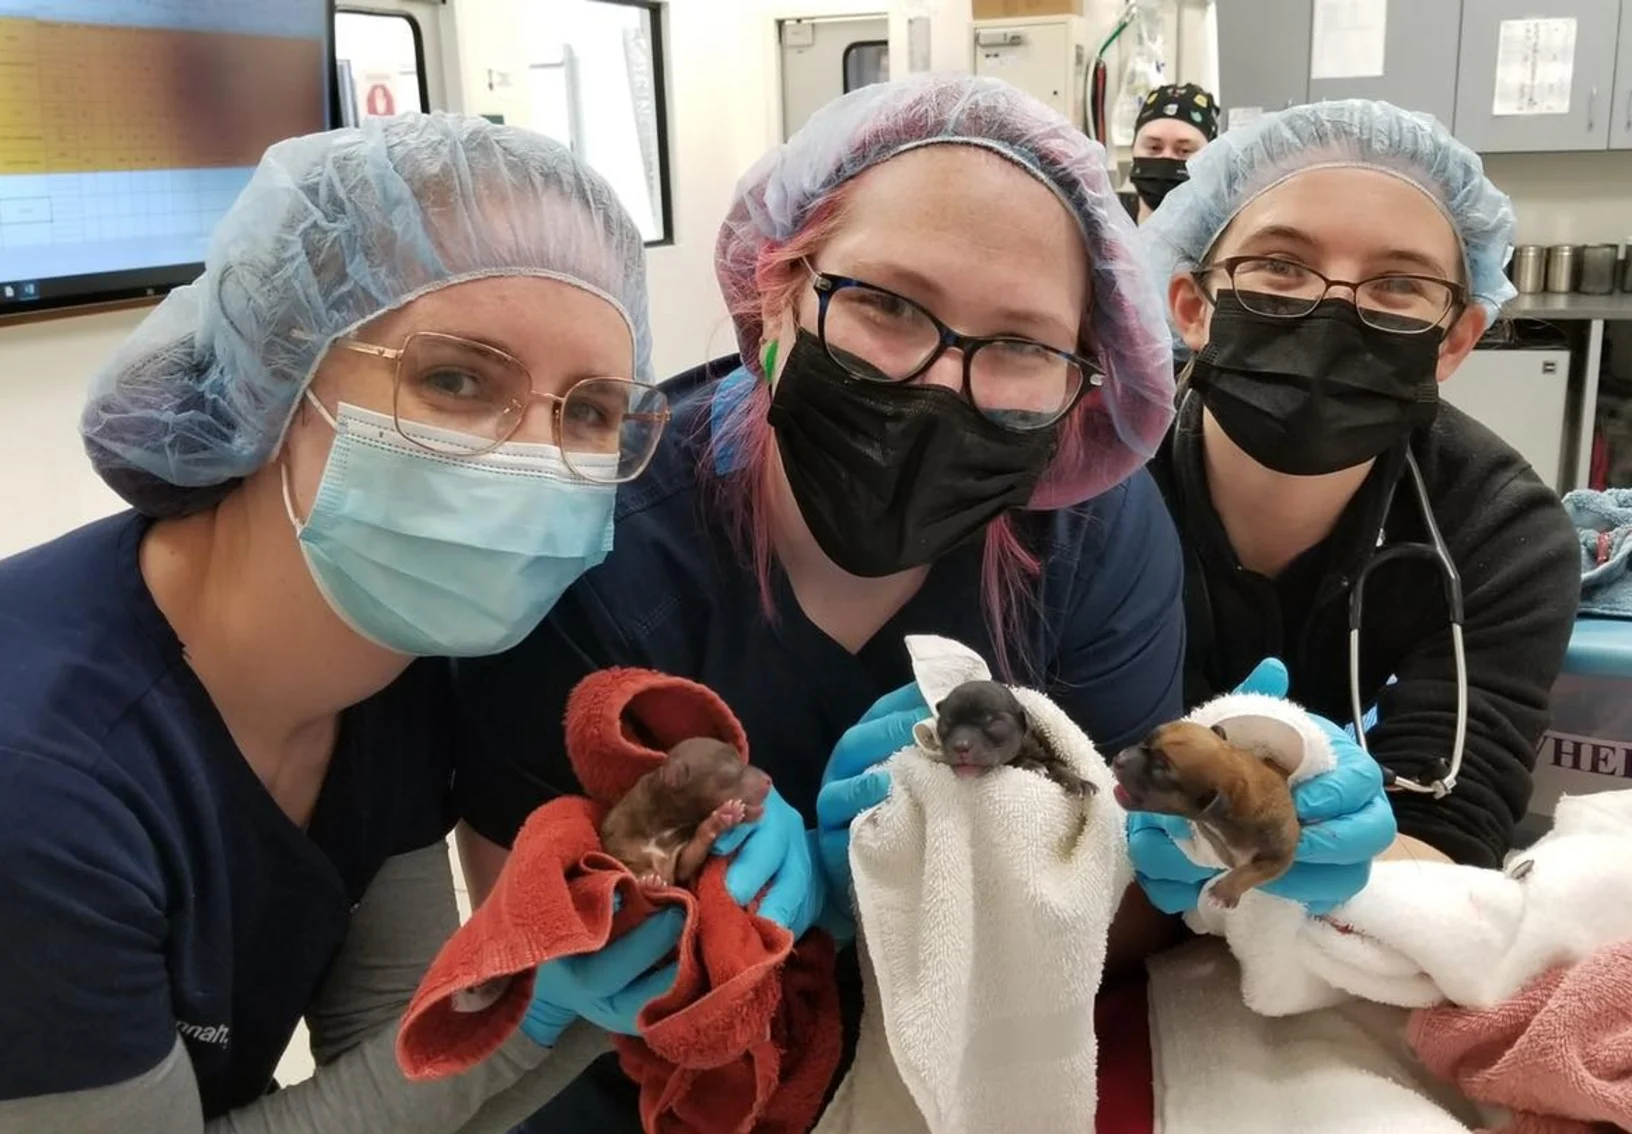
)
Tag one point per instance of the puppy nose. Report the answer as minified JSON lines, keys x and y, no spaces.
{"x":961,"y":746}
{"x":1128,"y":756}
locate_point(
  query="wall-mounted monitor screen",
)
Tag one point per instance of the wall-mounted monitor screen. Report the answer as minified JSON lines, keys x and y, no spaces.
{"x":127,"y":127}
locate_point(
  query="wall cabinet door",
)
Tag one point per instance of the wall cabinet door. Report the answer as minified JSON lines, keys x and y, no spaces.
{"x":1620,"y":120}
{"x":1537,"y":75}
{"x":1263,"y":56}
{"x":1420,"y":45}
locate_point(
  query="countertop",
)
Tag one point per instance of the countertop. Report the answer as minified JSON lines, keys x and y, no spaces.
{"x":1583,"y":307}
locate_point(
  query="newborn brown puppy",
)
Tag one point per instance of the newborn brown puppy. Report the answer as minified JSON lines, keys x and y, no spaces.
{"x":663,"y":829}
{"x":981,"y":725}
{"x":1238,"y":800}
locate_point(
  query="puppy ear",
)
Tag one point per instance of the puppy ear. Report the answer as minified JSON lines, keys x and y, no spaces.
{"x":1218,"y":730}
{"x":676,"y":773}
{"x":1214,"y":805}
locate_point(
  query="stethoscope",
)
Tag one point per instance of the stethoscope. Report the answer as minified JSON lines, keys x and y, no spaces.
{"x":1441,"y":785}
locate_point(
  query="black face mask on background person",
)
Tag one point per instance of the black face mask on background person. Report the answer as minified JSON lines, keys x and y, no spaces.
{"x":1310,"y":396}
{"x":890,"y":476}
{"x":1156,"y":177}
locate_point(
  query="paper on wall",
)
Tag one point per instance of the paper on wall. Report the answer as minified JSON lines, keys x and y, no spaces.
{"x":918,"y":44}
{"x":1238,"y":116}
{"x":1348,"y":39}
{"x":1535,"y":64}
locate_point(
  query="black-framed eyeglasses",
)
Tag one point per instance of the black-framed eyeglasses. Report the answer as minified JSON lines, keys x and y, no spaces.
{"x":1397,"y":302}
{"x":879,"y":336}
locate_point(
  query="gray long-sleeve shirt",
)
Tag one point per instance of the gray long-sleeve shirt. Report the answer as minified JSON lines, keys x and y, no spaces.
{"x":407,"y":913}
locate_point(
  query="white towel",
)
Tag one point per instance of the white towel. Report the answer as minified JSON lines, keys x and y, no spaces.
{"x":1220,"y":1068}
{"x":1424,"y":932}
{"x":983,"y":905}
{"x":1299,"y":1049}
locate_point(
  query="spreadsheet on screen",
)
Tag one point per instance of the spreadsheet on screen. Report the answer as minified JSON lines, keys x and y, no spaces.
{"x":127,"y":127}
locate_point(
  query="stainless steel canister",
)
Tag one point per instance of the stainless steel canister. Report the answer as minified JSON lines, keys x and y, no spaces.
{"x":1563,"y":268}
{"x":1529,"y":268}
{"x":1598,"y":268}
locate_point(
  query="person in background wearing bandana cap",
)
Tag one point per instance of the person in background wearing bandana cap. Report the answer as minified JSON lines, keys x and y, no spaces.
{"x":952,"y":370}
{"x":1174,"y":123}
{"x":386,"y":425}
{"x":1329,"y":266}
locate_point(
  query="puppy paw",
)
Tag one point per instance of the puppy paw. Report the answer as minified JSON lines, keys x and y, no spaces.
{"x":1222,"y":898}
{"x":730,"y":813}
{"x":652,"y":881}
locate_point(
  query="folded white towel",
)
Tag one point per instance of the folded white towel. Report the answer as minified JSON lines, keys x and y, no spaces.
{"x":984,"y":905}
{"x":1424,"y":932}
{"x":1220,"y":1068}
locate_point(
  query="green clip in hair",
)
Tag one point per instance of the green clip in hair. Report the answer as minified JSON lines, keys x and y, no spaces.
{"x":767,"y":359}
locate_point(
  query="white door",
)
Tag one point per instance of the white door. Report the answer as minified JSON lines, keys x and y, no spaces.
{"x":825,"y":58}
{"x":389,"y":56}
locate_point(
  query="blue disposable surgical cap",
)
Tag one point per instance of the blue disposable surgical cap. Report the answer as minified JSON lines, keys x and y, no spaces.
{"x":1230,"y":173}
{"x":333,"y":230}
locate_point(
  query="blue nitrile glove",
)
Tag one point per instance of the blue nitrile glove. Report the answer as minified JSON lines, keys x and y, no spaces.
{"x":851,"y":784}
{"x":1347,"y":822}
{"x":774,"y":850}
{"x":608,"y":988}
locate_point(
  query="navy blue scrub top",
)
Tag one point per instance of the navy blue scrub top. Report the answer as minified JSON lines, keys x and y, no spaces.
{"x":151,"y":886}
{"x":673,"y":596}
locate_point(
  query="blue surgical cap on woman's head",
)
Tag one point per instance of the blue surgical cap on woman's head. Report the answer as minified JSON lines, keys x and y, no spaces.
{"x":1230,"y":173}
{"x":333,"y":230}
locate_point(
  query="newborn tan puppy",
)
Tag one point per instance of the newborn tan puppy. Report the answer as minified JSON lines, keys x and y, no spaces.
{"x":663,"y":828}
{"x":1238,"y":800}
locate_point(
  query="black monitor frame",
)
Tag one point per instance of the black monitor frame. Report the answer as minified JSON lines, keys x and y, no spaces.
{"x":61,"y":294}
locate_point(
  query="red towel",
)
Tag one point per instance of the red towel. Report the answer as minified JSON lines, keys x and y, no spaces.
{"x":1558,"y":1054}
{"x":749,"y":1036}
{"x":1126,"y":1072}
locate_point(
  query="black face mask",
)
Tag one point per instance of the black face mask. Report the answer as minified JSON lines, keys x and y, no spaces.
{"x":1156,"y":177}
{"x":1314,"y":395}
{"x":890,"y":476}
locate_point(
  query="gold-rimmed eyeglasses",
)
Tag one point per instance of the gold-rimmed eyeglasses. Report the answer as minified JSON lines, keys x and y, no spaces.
{"x":471,"y":398}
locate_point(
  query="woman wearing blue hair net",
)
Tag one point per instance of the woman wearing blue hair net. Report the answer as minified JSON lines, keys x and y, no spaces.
{"x":1329,"y":266}
{"x":388,"y":422}
{"x":951,"y":370}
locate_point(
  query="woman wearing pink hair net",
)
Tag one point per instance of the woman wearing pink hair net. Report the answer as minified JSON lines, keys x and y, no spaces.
{"x":952,"y":370}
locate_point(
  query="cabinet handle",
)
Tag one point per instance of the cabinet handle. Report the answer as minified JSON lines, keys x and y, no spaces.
{"x":1592,"y":108}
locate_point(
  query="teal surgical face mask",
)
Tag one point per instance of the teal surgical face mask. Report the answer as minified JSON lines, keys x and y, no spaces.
{"x":434,"y":555}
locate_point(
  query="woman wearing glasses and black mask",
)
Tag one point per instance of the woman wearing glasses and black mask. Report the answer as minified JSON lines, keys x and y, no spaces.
{"x":953,"y":368}
{"x":1330,"y":265}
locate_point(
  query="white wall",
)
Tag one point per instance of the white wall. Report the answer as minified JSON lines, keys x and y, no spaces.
{"x":1567,"y":198}
{"x":46,"y":484}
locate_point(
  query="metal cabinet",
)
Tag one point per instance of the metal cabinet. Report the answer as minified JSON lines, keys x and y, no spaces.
{"x":1263,"y":56}
{"x":1419,"y":60}
{"x":1620,"y":112}
{"x":1582,"y":124}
